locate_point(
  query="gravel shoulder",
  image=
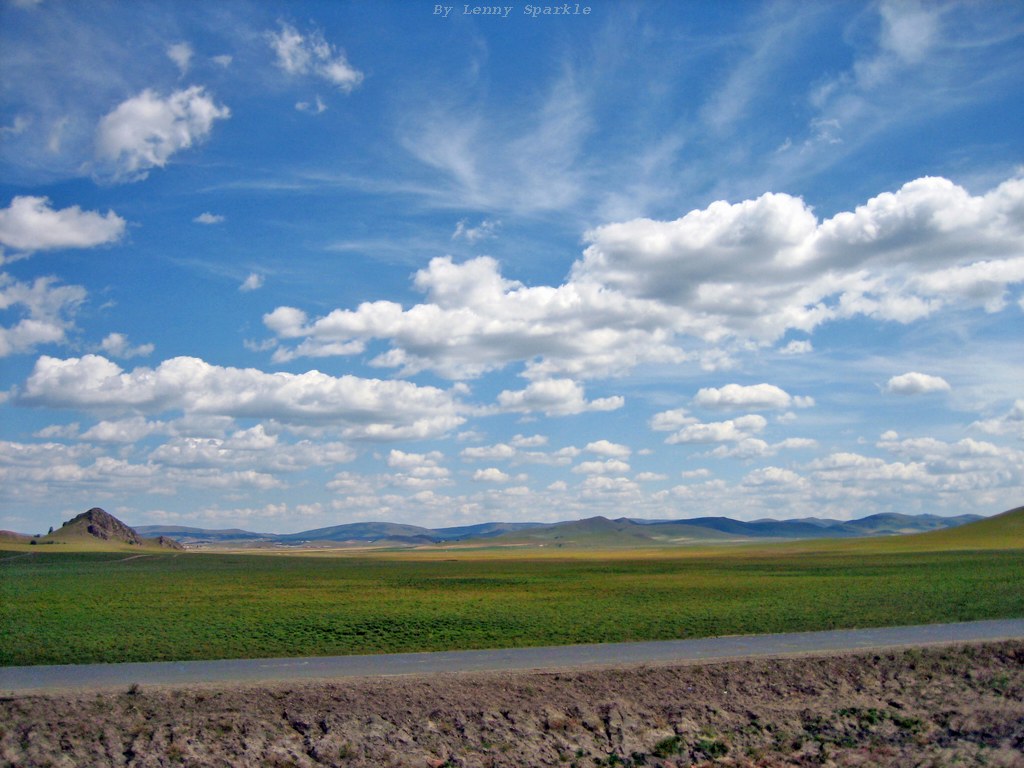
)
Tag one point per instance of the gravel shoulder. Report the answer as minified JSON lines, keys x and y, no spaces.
{"x":957,"y":704}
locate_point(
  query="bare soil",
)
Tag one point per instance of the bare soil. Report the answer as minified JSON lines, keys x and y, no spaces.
{"x":941,"y":706}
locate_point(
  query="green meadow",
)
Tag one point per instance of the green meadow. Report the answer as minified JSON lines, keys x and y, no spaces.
{"x":78,"y":607}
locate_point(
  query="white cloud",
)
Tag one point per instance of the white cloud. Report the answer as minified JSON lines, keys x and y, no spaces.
{"x":362,"y":408}
{"x":554,"y":397}
{"x":316,"y":108}
{"x":928,"y":466}
{"x":486,"y":229}
{"x":252,"y":283}
{"x":757,"y":397}
{"x":77,"y":473}
{"x":144,"y":131}
{"x":299,"y":54}
{"x":475,"y":321}
{"x":846,"y":467}
{"x":606,"y":467}
{"x":607,"y":448}
{"x":758,"y":268}
{"x":49,"y":308}
{"x":17,"y":127}
{"x":181,"y":54}
{"x":59,"y":431}
{"x":801,"y":347}
{"x":695,"y":473}
{"x":116,"y":344}
{"x":529,"y":441}
{"x":667,"y":421}
{"x":403,"y":460}
{"x":644,"y":290}
{"x":491,"y":475}
{"x":208,"y":218}
{"x":30,"y":224}
{"x":1010,"y":423}
{"x":500,"y":451}
{"x":916,"y":384}
{"x":752,"y":447}
{"x":252,"y":449}
{"x":125,"y":431}
{"x":774,"y":476}
{"x":729,"y":431}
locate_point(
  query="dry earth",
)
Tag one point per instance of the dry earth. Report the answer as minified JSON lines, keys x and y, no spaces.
{"x":961,"y":705}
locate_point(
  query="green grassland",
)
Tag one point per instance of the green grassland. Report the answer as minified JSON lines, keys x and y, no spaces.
{"x":59,"y":606}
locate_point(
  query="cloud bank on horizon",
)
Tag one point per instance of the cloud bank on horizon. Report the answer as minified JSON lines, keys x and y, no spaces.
{"x":282,"y":265}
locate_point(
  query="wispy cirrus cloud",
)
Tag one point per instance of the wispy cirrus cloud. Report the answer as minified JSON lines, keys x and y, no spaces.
{"x":311,"y":54}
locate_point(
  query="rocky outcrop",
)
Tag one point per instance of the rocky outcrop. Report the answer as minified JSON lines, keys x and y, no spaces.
{"x":100,"y":524}
{"x":166,"y":543}
{"x":103,"y":525}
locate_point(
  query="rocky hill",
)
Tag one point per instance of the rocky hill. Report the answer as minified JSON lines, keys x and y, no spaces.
{"x":98,"y":524}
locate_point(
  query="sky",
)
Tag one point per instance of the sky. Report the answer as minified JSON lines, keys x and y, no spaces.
{"x":282,"y":265}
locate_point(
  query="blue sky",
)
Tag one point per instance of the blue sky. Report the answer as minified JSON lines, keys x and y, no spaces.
{"x":284,"y":265}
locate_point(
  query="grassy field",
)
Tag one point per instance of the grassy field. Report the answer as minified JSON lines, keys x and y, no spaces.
{"x":76,"y":607}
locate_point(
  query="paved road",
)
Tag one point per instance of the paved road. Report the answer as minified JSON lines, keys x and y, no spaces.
{"x":25,"y":679}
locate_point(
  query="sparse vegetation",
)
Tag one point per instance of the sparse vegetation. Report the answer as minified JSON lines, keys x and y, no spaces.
{"x":851,"y":709}
{"x":712,"y":747}
{"x":667,"y":747}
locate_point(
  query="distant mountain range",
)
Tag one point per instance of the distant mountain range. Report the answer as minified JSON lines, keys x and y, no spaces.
{"x":591,"y":531}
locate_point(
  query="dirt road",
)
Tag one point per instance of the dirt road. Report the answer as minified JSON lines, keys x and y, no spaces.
{"x":23,"y":679}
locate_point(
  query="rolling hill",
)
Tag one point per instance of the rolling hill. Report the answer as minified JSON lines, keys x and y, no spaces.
{"x":98,"y":530}
{"x":589,"y":532}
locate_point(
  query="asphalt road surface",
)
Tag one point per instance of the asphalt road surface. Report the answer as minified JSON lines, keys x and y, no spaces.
{"x":14,"y":680}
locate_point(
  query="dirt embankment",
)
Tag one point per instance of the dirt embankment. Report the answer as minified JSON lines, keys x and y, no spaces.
{"x":961,"y":705}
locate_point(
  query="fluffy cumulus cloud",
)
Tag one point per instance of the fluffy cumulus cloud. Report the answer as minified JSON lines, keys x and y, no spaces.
{"x":914,"y":383}
{"x":645,"y":291}
{"x":1009,"y":423}
{"x":522,"y":451}
{"x":475,"y":321}
{"x":47,"y":312}
{"x":923,"y":465}
{"x":144,"y":131}
{"x":606,"y":467}
{"x":299,"y":54}
{"x":757,"y":397}
{"x":554,"y":397}
{"x":772,"y":477}
{"x":729,"y":431}
{"x":491,"y":475}
{"x":361,"y":408}
{"x":761,"y":267}
{"x":608,"y":448}
{"x":31,"y":224}
{"x":208,"y":218}
{"x":252,"y":449}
